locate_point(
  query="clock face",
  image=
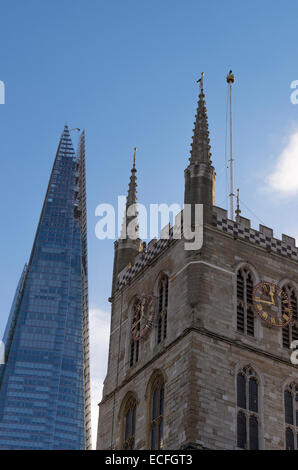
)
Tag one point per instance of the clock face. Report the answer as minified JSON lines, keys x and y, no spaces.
{"x":143,"y":315}
{"x":272,"y":304}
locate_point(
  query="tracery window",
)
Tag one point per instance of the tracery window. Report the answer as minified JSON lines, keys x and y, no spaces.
{"x":162,"y":306}
{"x":129,"y":423}
{"x":157,"y":413}
{"x":291,"y":416}
{"x":245,"y":313}
{"x":248,"y":419}
{"x":290,"y":332}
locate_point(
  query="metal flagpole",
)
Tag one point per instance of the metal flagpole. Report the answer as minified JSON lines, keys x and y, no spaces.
{"x":230,"y":81}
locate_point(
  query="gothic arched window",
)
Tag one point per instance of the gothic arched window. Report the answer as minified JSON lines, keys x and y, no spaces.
{"x":291,"y":416}
{"x":245,"y":313}
{"x":290,"y":332}
{"x":162,"y":306}
{"x":129,"y":423}
{"x":157,"y":412}
{"x":135,"y":343}
{"x":248,"y":418}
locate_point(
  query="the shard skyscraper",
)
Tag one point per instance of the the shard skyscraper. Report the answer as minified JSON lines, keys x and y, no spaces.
{"x":44,"y":383}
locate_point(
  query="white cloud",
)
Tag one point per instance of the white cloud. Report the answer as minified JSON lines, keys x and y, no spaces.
{"x":99,"y":325}
{"x":283,"y":178}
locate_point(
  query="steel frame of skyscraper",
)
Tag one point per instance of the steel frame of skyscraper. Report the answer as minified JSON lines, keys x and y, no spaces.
{"x":82,"y":212}
{"x":70,"y":377}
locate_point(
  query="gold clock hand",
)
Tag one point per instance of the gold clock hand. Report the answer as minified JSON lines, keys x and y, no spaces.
{"x":136,"y":322}
{"x":271,"y":293}
{"x":264,"y":301}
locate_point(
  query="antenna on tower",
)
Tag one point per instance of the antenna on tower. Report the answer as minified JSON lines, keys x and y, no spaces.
{"x":230,"y":81}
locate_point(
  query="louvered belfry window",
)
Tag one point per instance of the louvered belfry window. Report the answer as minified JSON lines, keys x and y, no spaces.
{"x":290,"y":332}
{"x":291,"y":416}
{"x":245,"y":313}
{"x":247,"y":409}
{"x":162,"y":318}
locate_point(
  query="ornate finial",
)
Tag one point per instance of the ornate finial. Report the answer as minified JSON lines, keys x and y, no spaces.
{"x":230,"y":77}
{"x":134,"y":157}
{"x":238,"y":211}
{"x":200,"y":81}
{"x":200,"y":151}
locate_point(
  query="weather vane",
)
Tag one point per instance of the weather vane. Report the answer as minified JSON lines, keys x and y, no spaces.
{"x":200,"y":81}
{"x":134,"y":156}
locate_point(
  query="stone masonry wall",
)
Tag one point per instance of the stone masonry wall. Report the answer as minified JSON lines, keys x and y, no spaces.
{"x":203,"y":350}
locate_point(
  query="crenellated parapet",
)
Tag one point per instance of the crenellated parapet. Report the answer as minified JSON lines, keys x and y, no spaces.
{"x":154,"y":248}
{"x":240,"y":229}
{"x":263,"y":237}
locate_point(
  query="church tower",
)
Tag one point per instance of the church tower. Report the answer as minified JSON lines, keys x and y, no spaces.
{"x":200,"y":343}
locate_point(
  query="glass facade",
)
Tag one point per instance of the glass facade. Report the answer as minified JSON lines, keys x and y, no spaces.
{"x":44,"y":384}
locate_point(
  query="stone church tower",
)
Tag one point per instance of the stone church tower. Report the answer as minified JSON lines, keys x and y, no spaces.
{"x":200,"y":369}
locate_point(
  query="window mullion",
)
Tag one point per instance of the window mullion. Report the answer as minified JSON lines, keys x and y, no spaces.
{"x":130,"y":426}
{"x":294,"y":411}
{"x":248,"y":429}
{"x":245,"y":301}
{"x":247,"y":391}
{"x":247,"y":414}
{"x":158,"y":403}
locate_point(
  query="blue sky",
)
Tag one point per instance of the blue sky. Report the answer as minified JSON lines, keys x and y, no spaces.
{"x":126,"y":71}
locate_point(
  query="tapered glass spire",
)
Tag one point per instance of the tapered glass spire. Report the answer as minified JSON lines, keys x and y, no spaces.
{"x":44,"y":384}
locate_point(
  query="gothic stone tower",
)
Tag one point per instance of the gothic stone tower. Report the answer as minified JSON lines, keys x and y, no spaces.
{"x":210,"y":373}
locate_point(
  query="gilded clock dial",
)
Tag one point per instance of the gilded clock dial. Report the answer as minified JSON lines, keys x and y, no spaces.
{"x":272,"y":304}
{"x":143,"y":316}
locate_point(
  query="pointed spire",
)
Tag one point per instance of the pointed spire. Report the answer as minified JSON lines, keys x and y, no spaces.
{"x":200,"y":151}
{"x":129,"y":244}
{"x":131,"y":204}
{"x":132,"y":187}
{"x":65,"y":147}
{"x":200,"y":174}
